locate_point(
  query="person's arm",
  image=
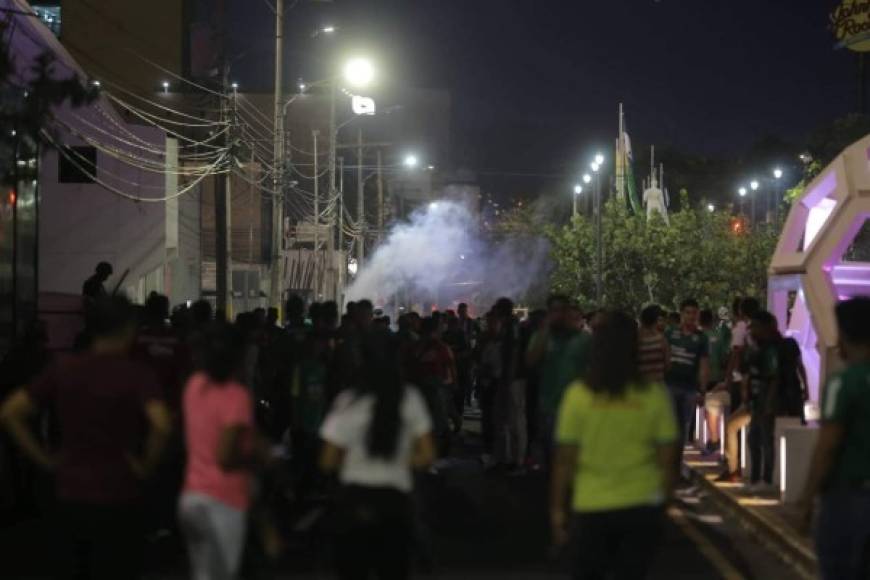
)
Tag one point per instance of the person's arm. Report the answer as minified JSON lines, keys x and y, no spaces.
{"x":733,"y":363}
{"x":666,"y":457}
{"x":667,"y":348}
{"x":159,"y":421}
{"x":424,"y":452}
{"x":704,"y":373}
{"x":538,"y":346}
{"x":331,"y":457}
{"x":805,"y":385}
{"x":827,"y":447}
{"x":564,"y":467}
{"x":14,"y":416}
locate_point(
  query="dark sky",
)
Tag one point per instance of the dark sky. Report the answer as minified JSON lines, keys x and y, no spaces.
{"x":536,"y":84}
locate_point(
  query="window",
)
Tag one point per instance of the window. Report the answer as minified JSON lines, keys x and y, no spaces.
{"x":77,"y":165}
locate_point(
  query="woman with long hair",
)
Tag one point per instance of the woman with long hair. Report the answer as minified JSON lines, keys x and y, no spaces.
{"x":218,"y":422}
{"x":375,"y":435}
{"x":616,"y":443}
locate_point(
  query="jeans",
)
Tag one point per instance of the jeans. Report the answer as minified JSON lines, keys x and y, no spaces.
{"x":685,"y":401}
{"x":215,"y":534}
{"x":843,"y":535}
{"x":104,"y":540}
{"x":761,"y":447}
{"x":374,"y":533}
{"x":617,"y":544}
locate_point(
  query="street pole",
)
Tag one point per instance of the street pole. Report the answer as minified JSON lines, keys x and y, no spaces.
{"x":599,"y":258}
{"x":221,"y":226}
{"x":316,"y":220}
{"x":335,"y":217}
{"x":380,"y":195}
{"x":360,"y":200}
{"x":575,"y":205}
{"x":342,"y":264}
{"x":275,"y":290}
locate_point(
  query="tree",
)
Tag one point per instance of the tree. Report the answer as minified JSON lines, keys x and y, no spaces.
{"x":699,"y":254}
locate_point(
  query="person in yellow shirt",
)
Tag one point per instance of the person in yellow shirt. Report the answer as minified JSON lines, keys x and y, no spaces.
{"x":616,"y":448}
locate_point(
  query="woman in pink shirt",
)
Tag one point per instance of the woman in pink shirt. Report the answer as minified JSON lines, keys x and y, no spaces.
{"x":218,"y":421}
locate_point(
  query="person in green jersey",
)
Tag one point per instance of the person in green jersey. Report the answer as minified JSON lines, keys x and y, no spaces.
{"x":689,"y":371}
{"x":716,"y":402}
{"x":616,"y":447}
{"x":559,"y":353}
{"x":840,"y":467}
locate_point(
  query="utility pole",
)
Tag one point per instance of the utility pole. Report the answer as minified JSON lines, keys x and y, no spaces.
{"x":342,"y":263}
{"x":221,"y":225}
{"x":276,"y":278}
{"x":380,"y":195}
{"x":250,"y":232}
{"x":599,"y":247}
{"x":360,"y":200}
{"x":316,"y":220}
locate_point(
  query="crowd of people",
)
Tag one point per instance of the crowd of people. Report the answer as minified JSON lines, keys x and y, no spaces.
{"x":179,"y":421}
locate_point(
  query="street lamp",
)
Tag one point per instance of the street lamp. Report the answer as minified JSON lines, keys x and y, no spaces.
{"x":410,"y":161}
{"x":587,"y":178}
{"x":599,"y":159}
{"x":711,"y":208}
{"x":777,"y":173}
{"x":359,"y":72}
{"x":742,"y":192}
{"x":578,"y":189}
{"x":328,"y":29}
{"x":595,"y":167}
{"x":754,"y":185}
{"x":165,"y":85}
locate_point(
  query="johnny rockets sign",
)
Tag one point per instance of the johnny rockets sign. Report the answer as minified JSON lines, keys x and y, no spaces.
{"x":850,"y":23}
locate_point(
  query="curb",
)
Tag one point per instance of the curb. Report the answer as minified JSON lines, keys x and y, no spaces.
{"x":790,"y":547}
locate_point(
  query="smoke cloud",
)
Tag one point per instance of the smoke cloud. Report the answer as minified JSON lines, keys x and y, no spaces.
{"x":440,"y":257}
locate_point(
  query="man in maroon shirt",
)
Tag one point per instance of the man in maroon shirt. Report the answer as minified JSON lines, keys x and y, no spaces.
{"x":113,"y":427}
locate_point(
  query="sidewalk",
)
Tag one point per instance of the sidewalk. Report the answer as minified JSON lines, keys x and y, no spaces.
{"x":763,"y":514}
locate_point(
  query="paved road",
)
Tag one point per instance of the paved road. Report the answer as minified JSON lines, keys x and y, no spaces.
{"x":480,"y":525}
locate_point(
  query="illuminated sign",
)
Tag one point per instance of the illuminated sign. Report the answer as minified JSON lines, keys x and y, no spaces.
{"x":850,"y":23}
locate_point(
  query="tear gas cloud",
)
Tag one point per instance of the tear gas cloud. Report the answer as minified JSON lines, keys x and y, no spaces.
{"x":440,"y":256}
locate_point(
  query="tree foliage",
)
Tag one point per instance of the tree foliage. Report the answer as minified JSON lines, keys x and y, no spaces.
{"x":699,"y":255}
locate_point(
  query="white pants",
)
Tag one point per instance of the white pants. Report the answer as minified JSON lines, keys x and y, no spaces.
{"x":215,"y":534}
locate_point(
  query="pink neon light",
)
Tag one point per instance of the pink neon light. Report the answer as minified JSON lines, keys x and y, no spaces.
{"x":816,"y":219}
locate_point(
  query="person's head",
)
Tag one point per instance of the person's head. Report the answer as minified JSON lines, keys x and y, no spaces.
{"x":328,"y":315}
{"x":673,"y":319}
{"x":735,"y":307}
{"x":494,"y":323}
{"x":221,"y":351}
{"x":614,"y":356}
{"x":430,"y":328}
{"x":504,"y":308}
{"x":112,"y":321}
{"x":259,"y":315}
{"x":853,"y":323}
{"x":689,"y":313}
{"x":559,"y":311}
{"x":748,"y":307}
{"x":103,"y":271}
{"x":651,"y":316}
{"x":156,"y":309}
{"x":415,"y":321}
{"x":295,"y":309}
{"x":272,"y":317}
{"x":201,"y":312}
{"x":462,"y":310}
{"x":706,"y":319}
{"x":764,"y":327}
{"x":363,"y":314}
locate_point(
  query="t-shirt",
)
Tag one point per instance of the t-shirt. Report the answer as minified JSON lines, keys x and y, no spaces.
{"x":565,"y":361}
{"x":308,"y":395}
{"x":740,"y":338}
{"x":99,"y":403}
{"x":762,"y":365}
{"x":347,"y":427}
{"x":846,"y":401}
{"x":209,"y":409}
{"x":687,"y":350}
{"x":652,"y":356}
{"x":719,"y":347}
{"x":616,"y":437}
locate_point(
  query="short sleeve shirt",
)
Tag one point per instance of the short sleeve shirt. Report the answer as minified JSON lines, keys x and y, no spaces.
{"x":617,"y":440}
{"x":687,"y":350}
{"x":209,"y":409}
{"x":99,"y":402}
{"x":846,"y":401}
{"x":347,"y":425}
{"x":565,"y":361}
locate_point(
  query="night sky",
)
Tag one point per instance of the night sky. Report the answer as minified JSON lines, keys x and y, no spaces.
{"x":535,"y":84}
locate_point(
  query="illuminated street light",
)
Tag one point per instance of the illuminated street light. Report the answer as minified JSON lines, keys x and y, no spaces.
{"x":430,"y":167}
{"x":328,"y":29}
{"x":235,"y":86}
{"x":599,"y":159}
{"x":711,"y":208}
{"x":352,"y":267}
{"x":777,"y":173}
{"x":578,"y":189}
{"x":359,"y":72}
{"x":433,"y":205}
{"x":410,"y":161}
{"x":302,"y":87}
{"x":165,"y":85}
{"x":742,"y":192}
{"x":587,"y":178}
{"x":595,"y":167}
{"x":753,"y":185}
{"x":96,"y":83}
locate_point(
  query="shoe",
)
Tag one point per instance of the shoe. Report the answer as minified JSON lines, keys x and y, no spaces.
{"x":729,"y":477}
{"x":711,"y":448}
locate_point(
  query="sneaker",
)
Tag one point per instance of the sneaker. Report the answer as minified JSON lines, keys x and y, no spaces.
{"x":729,"y":477}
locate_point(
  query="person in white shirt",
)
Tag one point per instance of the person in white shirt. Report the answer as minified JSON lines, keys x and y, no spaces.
{"x":374,"y":436}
